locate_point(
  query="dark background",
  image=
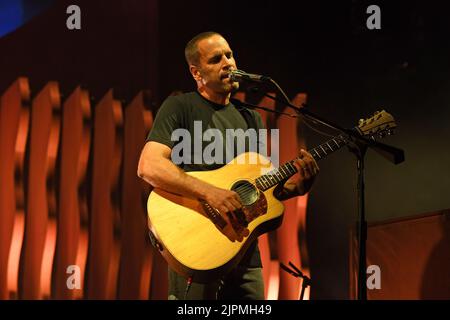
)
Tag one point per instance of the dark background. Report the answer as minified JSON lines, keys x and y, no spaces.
{"x":321,"y":48}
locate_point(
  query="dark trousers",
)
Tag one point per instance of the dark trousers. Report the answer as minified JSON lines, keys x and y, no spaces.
{"x":240,"y":284}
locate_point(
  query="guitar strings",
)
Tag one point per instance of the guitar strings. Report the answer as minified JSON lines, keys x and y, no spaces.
{"x":246,"y":190}
{"x":269,"y":175}
{"x":242,"y":190}
{"x":246,"y":193}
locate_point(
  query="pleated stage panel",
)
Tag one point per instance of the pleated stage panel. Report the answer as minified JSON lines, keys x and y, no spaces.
{"x":137,"y":254}
{"x":41,"y":199}
{"x":72,"y":229}
{"x":14,"y":135}
{"x":104,"y":223}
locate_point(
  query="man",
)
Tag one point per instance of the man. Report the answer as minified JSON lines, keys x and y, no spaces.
{"x":210,"y":60}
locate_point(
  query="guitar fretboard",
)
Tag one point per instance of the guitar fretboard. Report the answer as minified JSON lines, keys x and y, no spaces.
{"x":288,"y":169}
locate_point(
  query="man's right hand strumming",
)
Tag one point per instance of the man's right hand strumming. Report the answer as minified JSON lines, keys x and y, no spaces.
{"x":226,"y":202}
{"x":223,"y":200}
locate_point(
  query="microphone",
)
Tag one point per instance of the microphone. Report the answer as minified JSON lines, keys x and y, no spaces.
{"x":239,"y":76}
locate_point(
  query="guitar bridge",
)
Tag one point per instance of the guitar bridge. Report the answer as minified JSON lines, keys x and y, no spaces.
{"x":214,"y":215}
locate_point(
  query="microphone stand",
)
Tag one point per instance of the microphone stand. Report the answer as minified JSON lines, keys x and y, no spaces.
{"x":306,"y":281}
{"x":239,"y":103}
{"x":359,"y":146}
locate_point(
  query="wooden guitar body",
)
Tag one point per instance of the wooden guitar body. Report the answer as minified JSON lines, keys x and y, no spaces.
{"x":185,"y":233}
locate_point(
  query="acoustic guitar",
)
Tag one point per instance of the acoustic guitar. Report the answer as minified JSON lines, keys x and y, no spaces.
{"x":192,"y":236}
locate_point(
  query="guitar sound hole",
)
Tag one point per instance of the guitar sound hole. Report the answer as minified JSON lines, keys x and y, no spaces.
{"x":246,"y":191}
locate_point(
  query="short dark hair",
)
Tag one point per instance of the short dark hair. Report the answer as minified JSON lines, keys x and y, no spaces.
{"x":191,"y":50}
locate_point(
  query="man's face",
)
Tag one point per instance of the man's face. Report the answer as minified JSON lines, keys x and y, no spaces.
{"x":215,"y":61}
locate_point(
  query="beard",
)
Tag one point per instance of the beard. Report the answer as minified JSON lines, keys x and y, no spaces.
{"x":220,"y":85}
{"x":229,"y":86}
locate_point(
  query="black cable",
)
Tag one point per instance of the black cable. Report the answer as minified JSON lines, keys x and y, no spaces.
{"x":188,"y":286}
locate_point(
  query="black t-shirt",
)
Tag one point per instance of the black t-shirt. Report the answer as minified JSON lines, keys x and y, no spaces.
{"x":194,"y":113}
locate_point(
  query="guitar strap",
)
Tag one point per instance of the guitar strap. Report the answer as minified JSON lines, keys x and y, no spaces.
{"x":249,"y":118}
{"x":251,"y":122}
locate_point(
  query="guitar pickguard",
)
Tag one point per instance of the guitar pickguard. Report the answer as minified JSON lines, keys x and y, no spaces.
{"x":256,"y":209}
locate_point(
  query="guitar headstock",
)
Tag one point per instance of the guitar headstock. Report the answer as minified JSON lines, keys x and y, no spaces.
{"x":378,"y":125}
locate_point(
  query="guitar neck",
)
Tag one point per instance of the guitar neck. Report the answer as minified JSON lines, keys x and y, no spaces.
{"x":286,"y":170}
